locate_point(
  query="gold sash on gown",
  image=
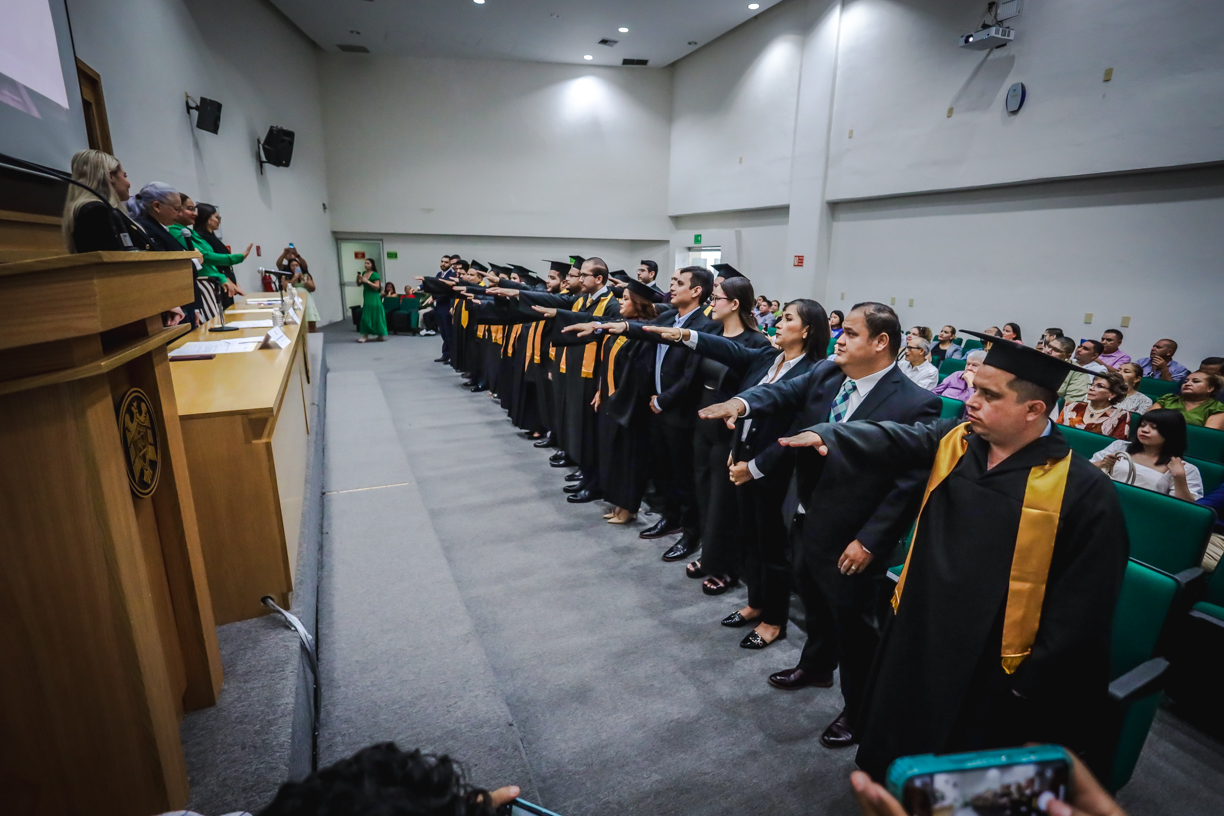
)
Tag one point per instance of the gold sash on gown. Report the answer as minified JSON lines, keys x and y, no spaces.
{"x":1035,"y":536}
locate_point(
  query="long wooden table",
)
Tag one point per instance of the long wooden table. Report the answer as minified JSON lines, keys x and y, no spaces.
{"x":245,"y":426}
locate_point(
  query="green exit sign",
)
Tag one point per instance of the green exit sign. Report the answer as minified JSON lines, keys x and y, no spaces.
{"x":392,"y":255}
{"x":696,"y":239}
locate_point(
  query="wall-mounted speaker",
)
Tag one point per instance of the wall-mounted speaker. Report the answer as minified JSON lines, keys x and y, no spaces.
{"x":208,"y":114}
{"x":276,"y":148}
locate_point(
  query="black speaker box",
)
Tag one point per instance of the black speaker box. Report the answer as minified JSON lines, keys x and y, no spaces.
{"x":278,"y":146}
{"x":208,"y":115}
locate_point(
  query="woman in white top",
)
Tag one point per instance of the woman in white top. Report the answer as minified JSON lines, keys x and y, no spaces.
{"x":1134,"y":401}
{"x":1153,"y":459}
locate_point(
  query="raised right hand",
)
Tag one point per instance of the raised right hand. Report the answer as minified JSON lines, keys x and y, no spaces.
{"x":805,"y":439}
{"x":669,"y":333}
{"x":581,"y":329}
{"x":728,"y":412}
{"x":547,"y":311}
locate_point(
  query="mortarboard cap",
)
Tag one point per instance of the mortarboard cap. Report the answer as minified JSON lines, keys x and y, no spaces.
{"x":529,"y":277}
{"x":577,"y":260}
{"x":1026,"y":363}
{"x":642,"y":290}
{"x":480,"y":266}
{"x":620,"y":275}
{"x":522,"y":271}
{"x":727,"y":271}
{"x":560,"y":267}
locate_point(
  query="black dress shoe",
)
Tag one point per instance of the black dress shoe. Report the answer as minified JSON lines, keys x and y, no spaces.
{"x":476,"y":389}
{"x":572,"y":488}
{"x":576,"y":476}
{"x":755,"y":641}
{"x":544,"y":441}
{"x":792,"y":679}
{"x":735,"y":620}
{"x":559,"y":456}
{"x":583,"y":496}
{"x":660,"y":528}
{"x":838,"y":734}
{"x":442,"y":360}
{"x":683,"y":548}
{"x":564,"y":462}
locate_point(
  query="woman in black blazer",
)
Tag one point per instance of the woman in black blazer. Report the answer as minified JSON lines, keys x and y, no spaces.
{"x":91,"y":223}
{"x":762,"y":468}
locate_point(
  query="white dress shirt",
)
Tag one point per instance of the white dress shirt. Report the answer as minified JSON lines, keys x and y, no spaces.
{"x":924,"y":376}
{"x":661,"y":352}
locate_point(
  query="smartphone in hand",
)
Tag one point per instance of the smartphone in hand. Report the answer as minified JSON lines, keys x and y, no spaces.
{"x":1017,"y":780}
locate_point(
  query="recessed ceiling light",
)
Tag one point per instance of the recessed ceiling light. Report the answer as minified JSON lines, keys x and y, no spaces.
{"x":478,"y":2}
{"x":623,"y":30}
{"x":751,"y":6}
{"x":587,"y":57}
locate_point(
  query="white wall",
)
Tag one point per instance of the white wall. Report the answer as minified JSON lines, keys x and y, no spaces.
{"x":733,"y":116}
{"x":419,"y":254}
{"x":455,"y":147}
{"x":752,"y":241}
{"x":248,"y":57}
{"x":1045,"y":255}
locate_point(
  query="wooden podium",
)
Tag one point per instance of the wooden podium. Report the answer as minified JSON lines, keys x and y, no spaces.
{"x":106,"y":621}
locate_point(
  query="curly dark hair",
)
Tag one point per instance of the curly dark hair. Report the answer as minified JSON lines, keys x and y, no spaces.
{"x":382,"y":780}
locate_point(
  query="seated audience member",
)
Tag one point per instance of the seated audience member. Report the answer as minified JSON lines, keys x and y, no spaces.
{"x":916,"y":363}
{"x":382,"y":779}
{"x":1075,"y":387}
{"x":1087,"y":354}
{"x":92,"y":224}
{"x":777,"y":309}
{"x":1160,"y":365}
{"x":1152,"y":459}
{"x":1197,"y":401}
{"x":1214,"y":365}
{"x":944,"y":348}
{"x":1047,"y":336}
{"x":835,"y":323}
{"x":1215,"y":545}
{"x":921,"y":331}
{"x":959,"y":384}
{"x":993,"y":330}
{"x":1011,"y":331}
{"x":1100,"y":413}
{"x":1136,"y":401}
{"x":1113,"y":357}
{"x":389,"y":290}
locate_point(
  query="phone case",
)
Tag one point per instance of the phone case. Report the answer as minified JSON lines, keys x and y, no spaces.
{"x":523,"y":806}
{"x":906,"y":768}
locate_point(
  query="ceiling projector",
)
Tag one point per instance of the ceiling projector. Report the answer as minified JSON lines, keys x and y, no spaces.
{"x":987,"y":38}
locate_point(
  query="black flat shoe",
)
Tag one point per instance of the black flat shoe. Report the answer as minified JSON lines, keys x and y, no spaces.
{"x":681,"y":549}
{"x":544,"y":441}
{"x":660,"y":528}
{"x":583,"y":496}
{"x":718,"y":584}
{"x":755,"y":641}
{"x":571,"y":488}
{"x":694,"y":570}
{"x":476,"y":389}
{"x":576,"y":476}
{"x":735,"y":620}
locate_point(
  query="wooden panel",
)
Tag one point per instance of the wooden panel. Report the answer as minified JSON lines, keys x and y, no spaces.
{"x":86,"y":702}
{"x":289,"y":447}
{"x":24,"y":236}
{"x":72,"y":295}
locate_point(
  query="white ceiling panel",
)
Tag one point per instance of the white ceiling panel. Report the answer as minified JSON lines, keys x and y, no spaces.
{"x":661,"y":31}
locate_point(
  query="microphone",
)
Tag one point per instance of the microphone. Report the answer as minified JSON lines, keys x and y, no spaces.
{"x":283,"y":274}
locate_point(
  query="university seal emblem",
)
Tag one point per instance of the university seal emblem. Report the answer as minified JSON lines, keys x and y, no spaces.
{"x":140,"y":443}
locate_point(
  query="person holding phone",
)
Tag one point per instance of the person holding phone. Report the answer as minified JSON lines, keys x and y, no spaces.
{"x":1003,"y":613}
{"x":373,"y":317}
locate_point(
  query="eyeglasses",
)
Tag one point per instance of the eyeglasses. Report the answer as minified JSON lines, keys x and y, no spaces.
{"x":721,"y":297}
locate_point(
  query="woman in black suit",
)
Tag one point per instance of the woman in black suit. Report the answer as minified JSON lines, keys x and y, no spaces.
{"x":91,"y":223}
{"x":762,"y":468}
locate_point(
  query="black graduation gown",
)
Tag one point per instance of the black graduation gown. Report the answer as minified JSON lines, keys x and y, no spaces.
{"x":623,"y":421}
{"x":937,"y":684}
{"x":581,"y":435}
{"x":550,"y":360}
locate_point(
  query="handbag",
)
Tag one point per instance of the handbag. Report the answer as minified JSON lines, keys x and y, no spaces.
{"x":1130,"y":468}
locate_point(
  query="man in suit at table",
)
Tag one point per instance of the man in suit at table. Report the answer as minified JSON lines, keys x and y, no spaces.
{"x":847,"y":523}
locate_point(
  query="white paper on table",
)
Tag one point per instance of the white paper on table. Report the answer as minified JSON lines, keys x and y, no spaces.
{"x":217,"y":347}
{"x":248,"y":311}
{"x":250,"y":324}
{"x":292,"y":317}
{"x":276,"y":339}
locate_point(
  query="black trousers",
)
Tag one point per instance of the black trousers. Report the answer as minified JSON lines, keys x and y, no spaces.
{"x":672,"y":471}
{"x":844,"y":615}
{"x":718,"y":516}
{"x":767,"y":546}
{"x":445,"y":327}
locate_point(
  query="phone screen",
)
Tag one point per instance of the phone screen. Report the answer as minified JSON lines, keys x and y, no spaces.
{"x":1002,"y":790}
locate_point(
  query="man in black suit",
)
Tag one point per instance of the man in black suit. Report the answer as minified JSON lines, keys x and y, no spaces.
{"x":673,"y":404}
{"x":848,"y":522}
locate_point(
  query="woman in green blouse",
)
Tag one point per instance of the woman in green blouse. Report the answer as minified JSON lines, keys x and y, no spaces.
{"x":1197,"y":400}
{"x":195,"y":225}
{"x":373,"y":318}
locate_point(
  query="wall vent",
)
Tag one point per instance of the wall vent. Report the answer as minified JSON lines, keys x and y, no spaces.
{"x":634,"y":62}
{"x":607,"y":42}
{"x":353,"y":49}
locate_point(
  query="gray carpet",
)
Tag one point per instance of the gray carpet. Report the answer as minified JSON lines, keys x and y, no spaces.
{"x":469,"y":609}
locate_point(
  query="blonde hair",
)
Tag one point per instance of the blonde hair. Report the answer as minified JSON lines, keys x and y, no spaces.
{"x":93,"y":168}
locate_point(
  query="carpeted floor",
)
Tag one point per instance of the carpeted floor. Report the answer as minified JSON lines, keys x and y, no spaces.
{"x":466,"y":608}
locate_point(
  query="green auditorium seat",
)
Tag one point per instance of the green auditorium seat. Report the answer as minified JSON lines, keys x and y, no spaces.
{"x":948,"y":366}
{"x":952,"y":408}
{"x":1212,"y":473}
{"x":1158,"y":388}
{"x":1205,"y":443}
{"x":1085,"y":443}
{"x":970,"y":345}
{"x":1166,"y":533}
{"x":960,"y":341}
{"x":1137,"y":675}
{"x":406,"y":318}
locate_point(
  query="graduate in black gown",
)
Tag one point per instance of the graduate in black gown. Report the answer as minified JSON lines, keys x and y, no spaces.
{"x":1003,"y":614}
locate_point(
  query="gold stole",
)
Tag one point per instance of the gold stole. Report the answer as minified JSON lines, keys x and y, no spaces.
{"x":708,"y":310}
{"x":512,"y":339}
{"x":1030,"y":567}
{"x":497,"y":334}
{"x":620,"y":341}
{"x":576,"y":307}
{"x":588,"y":356}
{"x":463,"y":315}
{"x":533,"y":343}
